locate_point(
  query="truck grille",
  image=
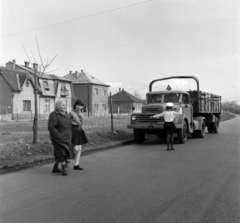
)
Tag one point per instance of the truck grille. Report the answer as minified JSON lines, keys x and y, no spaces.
{"x":152,"y":109}
{"x":146,"y":118}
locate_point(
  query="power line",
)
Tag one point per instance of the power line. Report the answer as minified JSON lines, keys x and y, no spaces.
{"x":72,"y":20}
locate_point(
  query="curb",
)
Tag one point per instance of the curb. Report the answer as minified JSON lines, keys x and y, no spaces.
{"x":47,"y":160}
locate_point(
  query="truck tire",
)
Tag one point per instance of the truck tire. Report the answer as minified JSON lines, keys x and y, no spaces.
{"x":139,"y":135}
{"x":182,"y":133}
{"x":215,"y":125}
{"x":201,"y":132}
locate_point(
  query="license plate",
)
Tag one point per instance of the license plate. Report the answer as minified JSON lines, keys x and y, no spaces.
{"x":160,"y":122}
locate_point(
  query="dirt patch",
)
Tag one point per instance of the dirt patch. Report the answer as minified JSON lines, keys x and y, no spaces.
{"x":17,"y":149}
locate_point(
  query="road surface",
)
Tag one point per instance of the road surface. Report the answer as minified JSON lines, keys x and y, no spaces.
{"x":198,"y":182}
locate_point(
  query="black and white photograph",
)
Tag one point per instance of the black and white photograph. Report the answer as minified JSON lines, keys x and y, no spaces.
{"x":120,"y":111}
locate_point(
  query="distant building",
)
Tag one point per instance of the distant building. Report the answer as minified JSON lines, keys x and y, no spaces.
{"x":125,"y":103}
{"x":16,"y":94}
{"x":50,"y":88}
{"x":92,"y":91}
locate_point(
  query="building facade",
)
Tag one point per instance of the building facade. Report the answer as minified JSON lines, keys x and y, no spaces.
{"x":50,"y":88}
{"x":92,"y":91}
{"x":125,"y":103}
{"x":16,"y":95}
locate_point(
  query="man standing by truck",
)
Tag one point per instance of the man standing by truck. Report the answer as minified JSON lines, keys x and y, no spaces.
{"x":169,"y":127}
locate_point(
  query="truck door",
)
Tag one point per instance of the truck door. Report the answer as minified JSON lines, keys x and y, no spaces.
{"x":187,"y":107}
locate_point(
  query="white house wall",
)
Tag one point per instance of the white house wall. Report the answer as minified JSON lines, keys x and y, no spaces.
{"x":68,"y":99}
{"x":26,"y":94}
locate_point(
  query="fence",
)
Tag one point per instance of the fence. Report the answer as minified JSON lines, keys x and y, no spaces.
{"x":5,"y":113}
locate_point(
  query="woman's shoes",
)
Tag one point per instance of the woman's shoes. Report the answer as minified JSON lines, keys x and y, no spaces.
{"x":64,"y":171}
{"x":56,"y":169}
{"x":77,"y":167}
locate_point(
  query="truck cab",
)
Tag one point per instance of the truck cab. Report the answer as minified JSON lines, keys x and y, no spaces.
{"x":156,"y":103}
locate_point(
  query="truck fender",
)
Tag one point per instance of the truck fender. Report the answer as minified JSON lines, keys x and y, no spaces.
{"x":198,"y":122}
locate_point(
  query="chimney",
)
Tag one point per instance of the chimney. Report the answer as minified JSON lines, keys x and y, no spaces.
{"x":14,"y":64}
{"x":119,"y":89}
{"x":76,"y":74}
{"x":70,"y":72}
{"x":81,"y":70}
{"x":26,"y":64}
{"x":122,"y":89}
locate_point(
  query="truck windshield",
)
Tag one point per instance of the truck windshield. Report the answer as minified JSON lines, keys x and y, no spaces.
{"x":154,"y":98}
{"x":171,"y":97}
{"x":163,"y":98}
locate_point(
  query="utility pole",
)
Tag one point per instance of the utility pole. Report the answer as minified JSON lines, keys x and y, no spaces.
{"x":111,"y":110}
{"x":35,"y":122}
{"x":88,"y":97}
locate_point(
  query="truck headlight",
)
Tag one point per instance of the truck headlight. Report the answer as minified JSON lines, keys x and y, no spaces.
{"x":134,"y":117}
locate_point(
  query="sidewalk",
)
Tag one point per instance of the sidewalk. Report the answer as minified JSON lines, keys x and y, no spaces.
{"x":44,"y":159}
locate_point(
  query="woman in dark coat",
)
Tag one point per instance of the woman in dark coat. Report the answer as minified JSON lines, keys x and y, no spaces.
{"x":60,"y":134}
{"x":78,"y":134}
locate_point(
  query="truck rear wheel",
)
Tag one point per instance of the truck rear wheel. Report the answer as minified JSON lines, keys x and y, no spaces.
{"x":182,"y":133}
{"x":201,"y":132}
{"x":139,"y":135}
{"x":215,"y":125}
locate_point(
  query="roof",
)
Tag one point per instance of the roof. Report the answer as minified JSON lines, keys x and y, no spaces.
{"x":84,"y":78}
{"x":15,"y":78}
{"x":55,"y":77}
{"x":124,"y":96}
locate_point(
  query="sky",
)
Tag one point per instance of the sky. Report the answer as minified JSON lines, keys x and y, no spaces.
{"x":129,"y":43}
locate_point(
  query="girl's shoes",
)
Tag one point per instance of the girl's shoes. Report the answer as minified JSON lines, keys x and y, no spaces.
{"x":77,"y":167}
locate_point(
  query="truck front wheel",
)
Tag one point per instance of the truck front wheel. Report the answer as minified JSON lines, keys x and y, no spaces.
{"x":182,"y":133}
{"x":139,"y":135}
{"x":201,"y":132}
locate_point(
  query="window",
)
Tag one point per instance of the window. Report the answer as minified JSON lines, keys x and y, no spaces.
{"x":47,"y":106}
{"x":45,"y":86}
{"x":64,"y":91}
{"x":27,"y":83}
{"x":63,"y":87}
{"x":96,"y":107}
{"x":26,"y":105}
{"x":185,"y":99}
{"x":104,"y":92}
{"x":96,"y":91}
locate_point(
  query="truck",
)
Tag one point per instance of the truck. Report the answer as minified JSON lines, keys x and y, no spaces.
{"x":200,"y":110}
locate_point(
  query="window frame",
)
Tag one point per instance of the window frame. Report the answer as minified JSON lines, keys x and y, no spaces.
{"x":26,"y":108}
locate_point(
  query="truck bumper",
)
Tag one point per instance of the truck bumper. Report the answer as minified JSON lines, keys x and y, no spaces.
{"x":150,"y":126}
{"x":145,"y":126}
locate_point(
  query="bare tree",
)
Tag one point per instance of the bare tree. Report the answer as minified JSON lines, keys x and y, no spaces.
{"x":38,"y":72}
{"x":137,"y":94}
{"x":43,"y":64}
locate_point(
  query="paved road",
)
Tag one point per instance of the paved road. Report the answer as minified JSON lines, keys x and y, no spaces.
{"x":198,"y":182}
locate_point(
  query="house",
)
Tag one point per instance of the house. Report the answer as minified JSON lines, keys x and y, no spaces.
{"x":63,"y":90}
{"x":93,"y":92}
{"x":125,"y":103}
{"x":49,"y":89}
{"x":16,"y":94}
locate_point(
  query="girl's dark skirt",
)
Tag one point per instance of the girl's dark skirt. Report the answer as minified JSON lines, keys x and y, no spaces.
{"x":78,"y":136}
{"x":169,"y":127}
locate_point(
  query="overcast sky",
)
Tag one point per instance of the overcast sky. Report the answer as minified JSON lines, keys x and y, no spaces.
{"x":129,"y":43}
